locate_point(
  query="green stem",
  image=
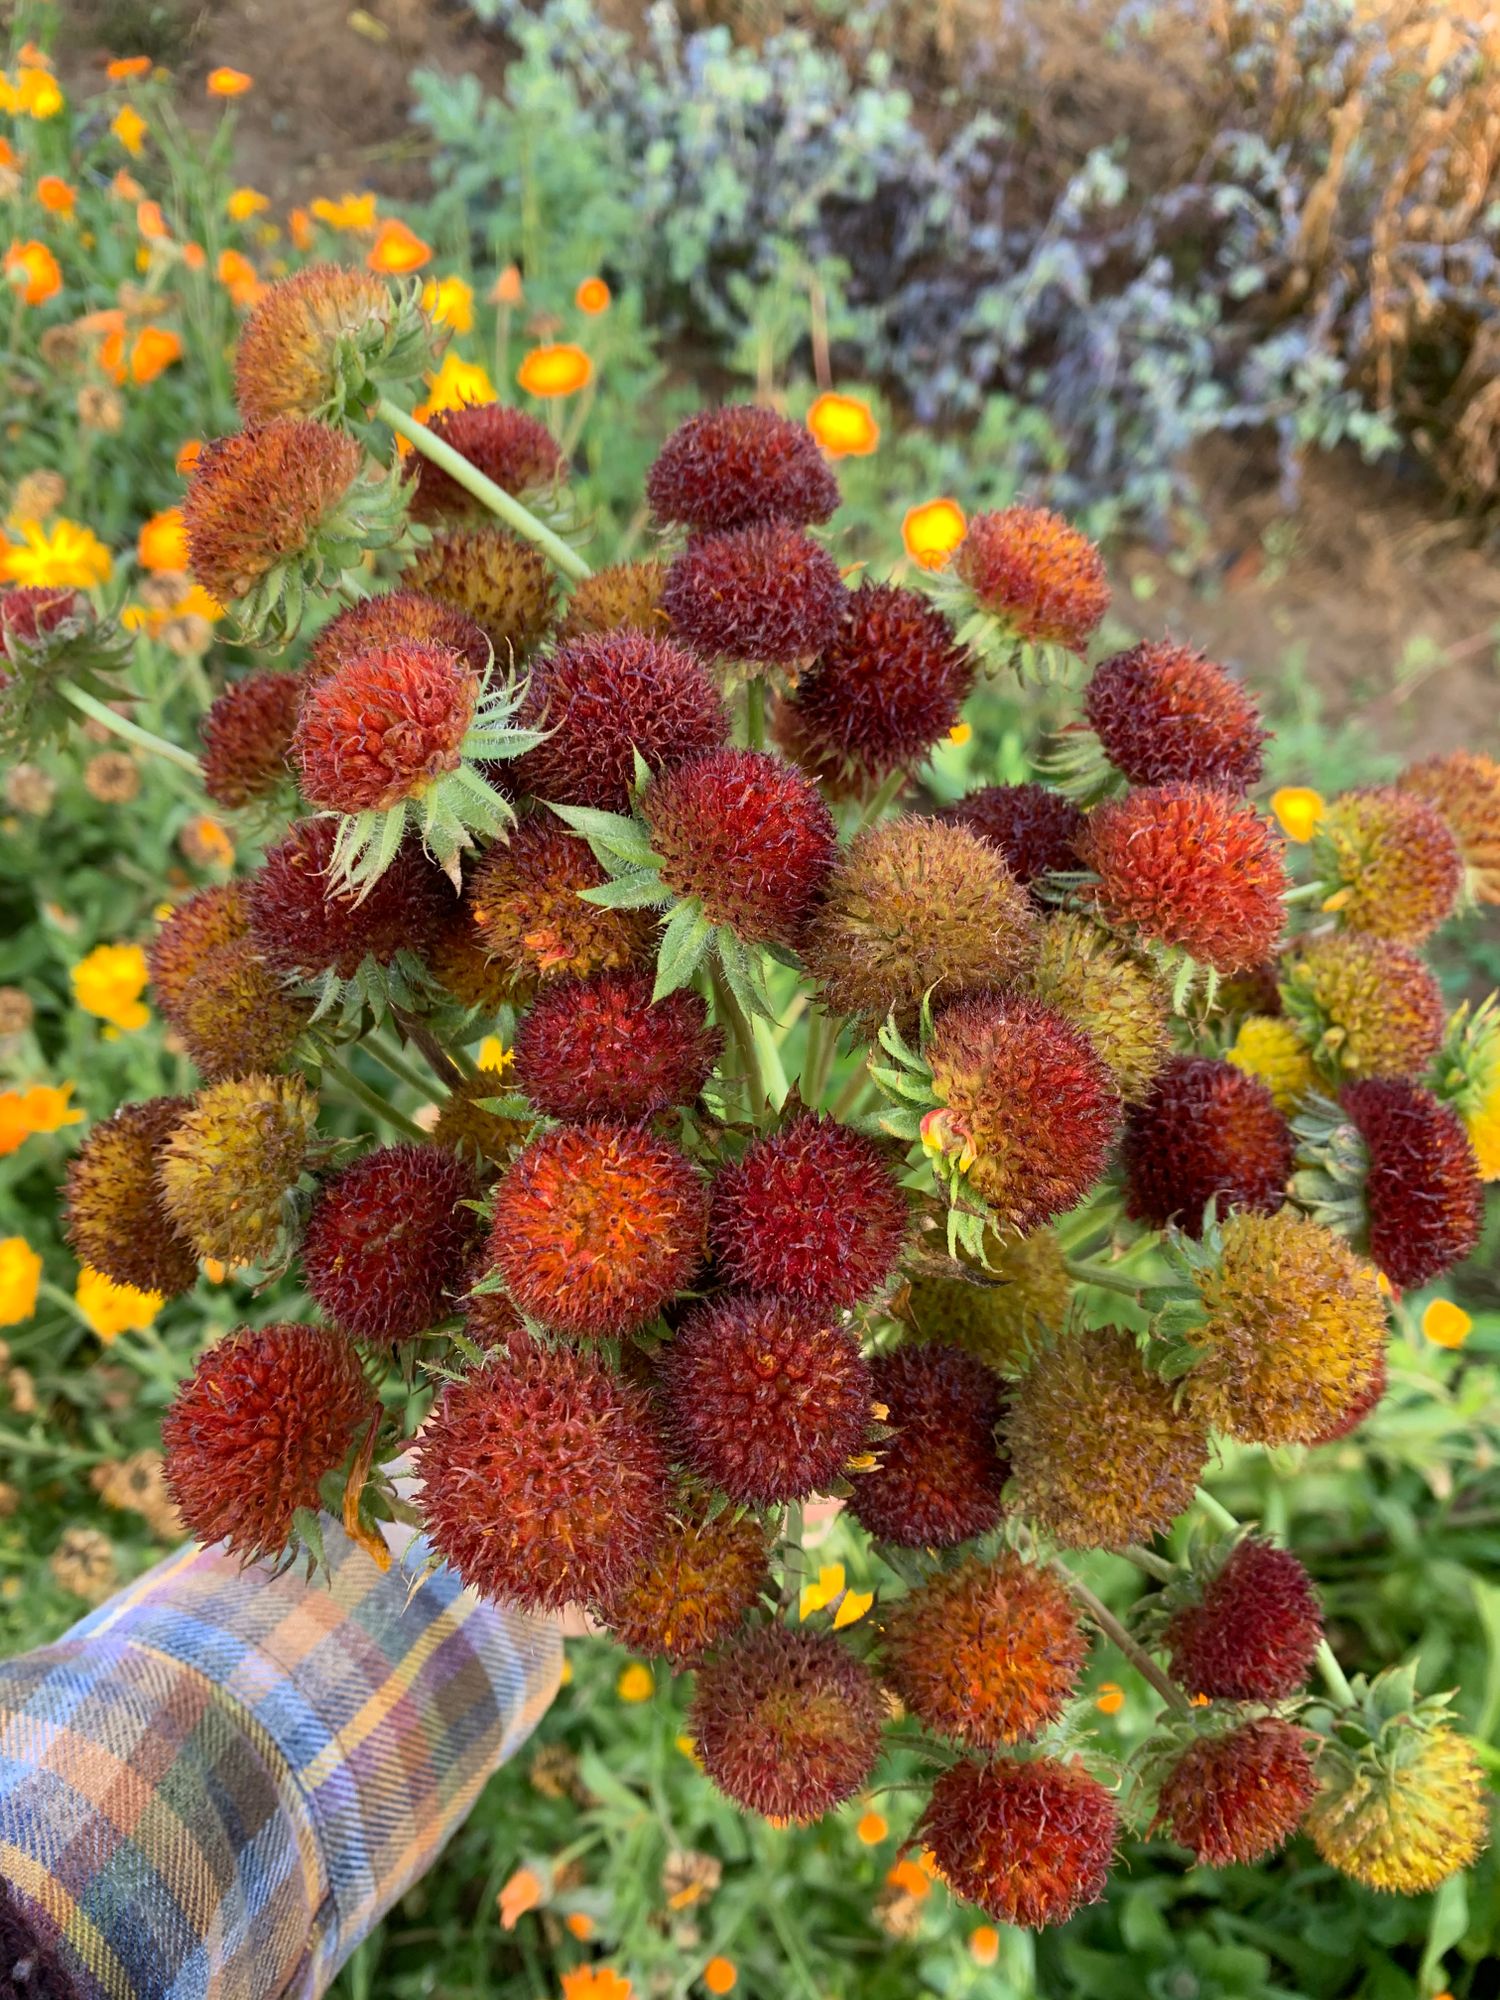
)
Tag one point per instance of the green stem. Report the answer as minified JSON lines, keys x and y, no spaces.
{"x":1217,"y":1512}
{"x":499,"y":502}
{"x":1309,"y":892}
{"x":876,"y":806}
{"x":732,"y":1015}
{"x":1084,"y":1271}
{"x":371,"y":1099}
{"x":1328,"y":1666}
{"x":818,"y":1057}
{"x":853,"y":1093}
{"x":1136,"y":1653}
{"x":1151,"y":1564}
{"x":418,"y":1031}
{"x":793,"y":1571}
{"x":131,"y":732}
{"x":755,"y":713}
{"x":399,"y":1067}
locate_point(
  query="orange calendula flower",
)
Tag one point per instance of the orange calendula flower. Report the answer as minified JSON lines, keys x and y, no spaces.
{"x":194,"y":256}
{"x":450,"y":302}
{"x":188,"y":455}
{"x":523,"y":1892}
{"x":53,"y":192}
{"x":1445,"y":1324}
{"x":9,"y":157}
{"x":227,"y":82}
{"x":162,"y":542}
{"x":720,"y":1975}
{"x":984,"y":1944}
{"x":238,"y":277}
{"x":910,"y":1877}
{"x":206,"y":842}
{"x":154,"y":349}
{"x":593,"y":296}
{"x":507,"y":289}
{"x":109,"y":983}
{"x":125,"y":69}
{"x":130,"y":128}
{"x":930,"y":533}
{"x":397,"y":248}
{"x":595,"y":1982}
{"x":150,"y":221}
{"x":1110,"y":1699}
{"x":125,"y":186}
{"x":63,"y":555}
{"x":844,"y":426}
{"x":555,"y":371}
{"x":871,"y":1829}
{"x":245,"y":202}
{"x":112,"y":1309}
{"x":636,"y":1683}
{"x":578,"y":1924}
{"x":355,"y":212}
{"x":33,"y":57}
{"x":299,"y":228}
{"x":1298,"y":809}
{"x":33,"y":271}
{"x":20,"y":1280}
{"x":42,"y":1108}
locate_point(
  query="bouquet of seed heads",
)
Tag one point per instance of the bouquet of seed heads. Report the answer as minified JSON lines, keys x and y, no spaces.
{"x":829,"y":1126}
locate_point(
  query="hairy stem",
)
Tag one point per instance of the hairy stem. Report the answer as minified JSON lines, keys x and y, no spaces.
{"x":755,"y":714}
{"x":1136,"y":1653}
{"x":500,"y":503}
{"x":371,"y":1099}
{"x":1150,"y":1563}
{"x":793,"y":1566}
{"x":390,"y":1059}
{"x":821,"y":1037}
{"x":128,"y":731}
{"x":1085,"y":1272}
{"x":418,"y":1032}
{"x":1217,"y":1512}
{"x":875,"y":808}
{"x":732,"y":1016}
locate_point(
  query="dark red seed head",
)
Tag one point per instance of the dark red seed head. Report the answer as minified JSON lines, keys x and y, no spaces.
{"x":705,"y":1577}
{"x":735,"y":467}
{"x":1028,"y":1842}
{"x":602,"y":1048}
{"x":303,"y":928}
{"x":1034,"y":828}
{"x":389,"y":1241}
{"x":770,"y":596}
{"x":247,"y":736}
{"x":940,"y":1474}
{"x":383,"y":726}
{"x":513,"y":449}
{"x":1238,"y":1795}
{"x":1423,"y":1195}
{"x":1166,"y":714}
{"x":396,"y":617}
{"x":1251,"y":1632}
{"x":1208,"y":1132}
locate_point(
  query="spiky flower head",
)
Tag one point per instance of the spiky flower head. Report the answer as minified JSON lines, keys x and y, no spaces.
{"x":1101,"y":1454}
{"x":1208,"y":1133}
{"x":1368,"y":1400}
{"x":762,"y":597}
{"x":1467,"y":1076}
{"x":1029,"y":1841}
{"x":745,"y":835}
{"x":1388,"y":863}
{"x":1025,"y":587}
{"x":51,"y":639}
{"x":939,"y":1476}
{"x":1236,"y":1793}
{"x":306,"y":926}
{"x":247,"y":738}
{"x":1164,"y":714}
{"x":117,"y":1221}
{"x":1025,"y":1109}
{"x":705,"y":1577}
{"x":787,"y":1724}
{"x":601,"y":1048}
{"x":390,"y":1240}
{"x":543,"y":1480}
{"x":887,"y":688}
{"x":597,"y":1226}
{"x":1033,"y":826}
{"x":324,"y":342}
{"x":1185,"y":867}
{"x":1245,"y":1625}
{"x":281,"y":511}
{"x":515,"y":450}
{"x":1365,"y":1006}
{"x":621,"y":597}
{"x":1110,"y":994}
{"x":606,"y":699}
{"x":266,"y":1413}
{"x":1465,"y":788}
{"x":525,"y":896}
{"x":916,"y":907}
{"x":1269,"y":1047}
{"x":230,"y":1166}
{"x":1423,"y":1198}
{"x":999,"y":1312}
{"x":189,"y":937}
{"x":505,"y":585}
{"x":1292,"y":1328}
{"x":236,"y":1015}
{"x":812,"y":1212}
{"x":393,"y":618}
{"x":739,"y":466}
{"x":764,"y":1399}
{"x":986,"y":1653}
{"x":1403,"y":1799}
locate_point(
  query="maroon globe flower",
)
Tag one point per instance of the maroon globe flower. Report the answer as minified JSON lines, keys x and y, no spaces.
{"x":1251,"y":1628}
{"x":29,"y":611}
{"x":1208,"y":1132}
{"x":768,"y":596}
{"x":1029,"y":1842}
{"x":247,"y":738}
{"x":1033,"y":827}
{"x":940,"y":1473}
{"x":389,"y":1241}
{"x":1423,"y":1195}
{"x":393,"y":618}
{"x":812,"y":1212}
{"x":1165,"y":714}
{"x":303,"y":929}
{"x":1239,"y":1794}
{"x":737,"y":467}
{"x":602,"y":1048}
{"x":513,"y":449}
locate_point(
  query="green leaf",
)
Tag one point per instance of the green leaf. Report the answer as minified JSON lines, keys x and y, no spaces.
{"x":639,"y":890}
{"x":684,"y":940}
{"x":612,"y":831}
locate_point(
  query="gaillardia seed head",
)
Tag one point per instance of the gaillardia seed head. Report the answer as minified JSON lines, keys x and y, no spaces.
{"x":505,"y":585}
{"x":117,"y":1221}
{"x":1000,"y":1313}
{"x":748,"y":835}
{"x":394,"y":618}
{"x":739,"y":466}
{"x":513,"y":449}
{"x":1186,"y":867}
{"x":1101,"y":1454}
{"x":1269,"y":1047}
{"x":383,"y":726}
{"x":1041,"y":577}
{"x":1033,"y":826}
{"x":1206,"y":1133}
{"x":1389,"y":862}
{"x":1109,"y":994}
{"x":528,"y":913}
{"x":1423,"y":1196}
{"x":787,"y":1723}
{"x":766,"y":596}
{"x":986,"y":1653}
{"x":266,"y":1413}
{"x":1237,"y":1794}
{"x":304,"y":928}
{"x":258,"y":499}
{"x":1028,"y":1841}
{"x":1465,"y":788}
{"x":621,"y":597}
{"x":606,"y":698}
{"x":315,"y":338}
{"x":1165,"y":714}
{"x":940,"y":1473}
{"x":390,"y":1241}
{"x":764,"y":1399}
{"x":597,"y":1226}
{"x":916,"y":907}
{"x":543,"y":1480}
{"x":1366,"y":1007}
{"x":1025,"y":1104}
{"x":1247,"y":1626}
{"x":812,"y":1212}
{"x":602,"y":1048}
{"x":705,"y":1577}
{"x":247,"y":738}
{"x":886,"y":689}
{"x":230,"y":1165}
{"x":1293,"y":1328}
{"x":235,"y":1015}
{"x":190,"y":936}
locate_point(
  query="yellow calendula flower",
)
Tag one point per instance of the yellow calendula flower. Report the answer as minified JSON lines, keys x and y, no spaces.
{"x":42,"y":1108}
{"x":636,"y":1683}
{"x":130,"y":128}
{"x":245,"y":202}
{"x":1298,"y":809}
{"x":844,"y":426}
{"x":20,"y":1280}
{"x":450,"y":302}
{"x":63,"y":555}
{"x":109,"y":983}
{"x":931,"y":532}
{"x":112,"y":1309}
{"x":561,"y":369}
{"x":354,"y":212}
{"x":455,"y":384}
{"x":493,"y":1054}
{"x":34,"y":94}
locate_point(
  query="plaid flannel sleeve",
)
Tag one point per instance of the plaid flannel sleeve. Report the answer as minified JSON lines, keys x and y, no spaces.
{"x":220,"y":1781}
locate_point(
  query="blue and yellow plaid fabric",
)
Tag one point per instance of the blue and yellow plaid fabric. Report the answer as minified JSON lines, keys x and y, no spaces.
{"x":214,"y":1786}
